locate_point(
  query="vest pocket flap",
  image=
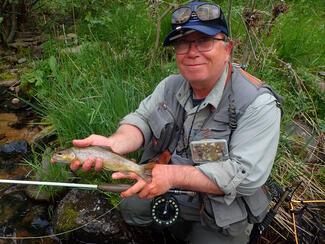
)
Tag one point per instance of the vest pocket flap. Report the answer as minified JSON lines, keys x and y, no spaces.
{"x":159,"y":119}
{"x":226,"y":215}
{"x":222,"y":118}
{"x":258,"y":203}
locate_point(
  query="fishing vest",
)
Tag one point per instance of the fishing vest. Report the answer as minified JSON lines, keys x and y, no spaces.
{"x":166,"y":122}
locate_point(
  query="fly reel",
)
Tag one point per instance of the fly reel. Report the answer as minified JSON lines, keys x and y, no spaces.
{"x":165,"y":209}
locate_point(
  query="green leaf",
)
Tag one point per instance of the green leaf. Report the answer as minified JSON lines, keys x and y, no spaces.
{"x":53,"y":64}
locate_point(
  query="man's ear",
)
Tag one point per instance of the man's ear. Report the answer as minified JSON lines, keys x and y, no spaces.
{"x":229,"y":46}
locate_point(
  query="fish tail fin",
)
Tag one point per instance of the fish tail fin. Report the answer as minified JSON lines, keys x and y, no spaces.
{"x":146,"y":170}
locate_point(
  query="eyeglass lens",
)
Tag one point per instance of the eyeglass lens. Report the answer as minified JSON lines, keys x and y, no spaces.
{"x":204,"y":12}
{"x":208,"y":12}
{"x":202,"y":45}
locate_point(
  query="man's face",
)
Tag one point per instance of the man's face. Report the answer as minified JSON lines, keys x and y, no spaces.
{"x":203,"y":68}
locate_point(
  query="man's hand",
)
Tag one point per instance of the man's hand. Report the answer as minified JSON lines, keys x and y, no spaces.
{"x":160,"y":183}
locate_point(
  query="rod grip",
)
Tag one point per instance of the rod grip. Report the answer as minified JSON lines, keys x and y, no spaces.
{"x":113,"y":187}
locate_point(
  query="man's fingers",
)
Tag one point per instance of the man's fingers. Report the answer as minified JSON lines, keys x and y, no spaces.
{"x":133,"y":189}
{"x":98,"y":164}
{"x":125,"y":175}
{"x":75,"y":165}
{"x":88,"y":164}
{"x":82,"y":142}
{"x":144,"y":193}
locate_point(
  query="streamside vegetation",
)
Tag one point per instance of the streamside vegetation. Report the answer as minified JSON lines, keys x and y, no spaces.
{"x":101,"y":58}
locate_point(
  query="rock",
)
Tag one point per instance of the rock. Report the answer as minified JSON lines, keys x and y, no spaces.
{"x":76,"y":49}
{"x":303,"y":141}
{"x":14,"y":148}
{"x":321,"y":85}
{"x":321,"y":73}
{"x":15,"y":89}
{"x":11,"y":59}
{"x":15,"y":101}
{"x":21,"y":60}
{"x":35,"y":193}
{"x":45,"y":136}
{"x":68,"y":37}
{"x":9,"y":83}
{"x":37,"y":52}
{"x":14,"y":70}
{"x":26,"y":34}
{"x":83,"y":208}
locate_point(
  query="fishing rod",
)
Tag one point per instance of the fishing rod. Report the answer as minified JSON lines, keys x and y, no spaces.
{"x":164,"y":209}
{"x":103,"y":187}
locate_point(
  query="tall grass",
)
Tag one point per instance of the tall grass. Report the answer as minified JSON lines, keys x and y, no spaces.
{"x":91,"y":91}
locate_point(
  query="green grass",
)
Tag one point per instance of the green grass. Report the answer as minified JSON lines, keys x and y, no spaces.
{"x":46,"y":171}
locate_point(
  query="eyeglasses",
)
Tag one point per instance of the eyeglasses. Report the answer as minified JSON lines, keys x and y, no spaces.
{"x":204,"y":12}
{"x":203,"y":44}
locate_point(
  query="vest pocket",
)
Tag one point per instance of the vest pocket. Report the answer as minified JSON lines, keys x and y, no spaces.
{"x":220,"y":126}
{"x":228,"y":219}
{"x":257,"y":205}
{"x":162,"y":124}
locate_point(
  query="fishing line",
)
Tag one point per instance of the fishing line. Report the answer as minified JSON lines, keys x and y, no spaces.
{"x":61,"y":233}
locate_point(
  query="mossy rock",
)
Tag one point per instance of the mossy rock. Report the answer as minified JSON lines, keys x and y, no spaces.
{"x":67,"y":219}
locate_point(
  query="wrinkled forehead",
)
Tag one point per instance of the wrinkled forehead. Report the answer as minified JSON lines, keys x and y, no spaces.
{"x":198,"y":35}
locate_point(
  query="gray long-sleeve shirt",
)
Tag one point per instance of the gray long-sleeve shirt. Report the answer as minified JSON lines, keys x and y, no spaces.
{"x":253,"y":144}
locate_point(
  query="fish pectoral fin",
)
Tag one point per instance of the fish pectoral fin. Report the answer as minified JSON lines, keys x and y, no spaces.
{"x":148,"y":167}
{"x":146,"y":171}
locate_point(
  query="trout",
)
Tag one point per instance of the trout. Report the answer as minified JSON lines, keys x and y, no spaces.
{"x":111,"y":160}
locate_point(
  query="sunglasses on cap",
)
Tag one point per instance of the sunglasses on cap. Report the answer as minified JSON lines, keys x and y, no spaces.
{"x":203,"y":12}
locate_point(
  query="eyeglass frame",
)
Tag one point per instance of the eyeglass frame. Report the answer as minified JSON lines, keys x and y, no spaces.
{"x":194,"y":9}
{"x":225,"y":39}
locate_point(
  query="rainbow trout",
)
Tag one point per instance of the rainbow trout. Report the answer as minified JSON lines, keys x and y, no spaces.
{"x":111,"y":160}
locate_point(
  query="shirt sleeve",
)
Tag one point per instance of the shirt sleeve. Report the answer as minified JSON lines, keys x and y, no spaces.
{"x":139,"y":117}
{"x":252,"y":152}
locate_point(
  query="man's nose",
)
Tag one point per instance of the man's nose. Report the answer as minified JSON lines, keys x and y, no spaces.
{"x":192,"y":48}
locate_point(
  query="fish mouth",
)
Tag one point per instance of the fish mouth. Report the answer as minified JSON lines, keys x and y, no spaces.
{"x":57,"y":159}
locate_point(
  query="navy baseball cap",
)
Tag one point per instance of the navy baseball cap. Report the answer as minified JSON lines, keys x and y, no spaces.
{"x":206,"y":18}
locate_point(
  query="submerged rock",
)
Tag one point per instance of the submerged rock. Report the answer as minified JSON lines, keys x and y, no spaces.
{"x":22,"y":217}
{"x":14,"y":148}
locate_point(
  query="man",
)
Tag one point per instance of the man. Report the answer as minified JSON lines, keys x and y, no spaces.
{"x":210,"y":99}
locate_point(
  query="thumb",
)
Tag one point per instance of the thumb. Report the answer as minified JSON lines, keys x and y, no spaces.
{"x":82,"y":142}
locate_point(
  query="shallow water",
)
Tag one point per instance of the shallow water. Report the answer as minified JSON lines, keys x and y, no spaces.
{"x":8,"y":133}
